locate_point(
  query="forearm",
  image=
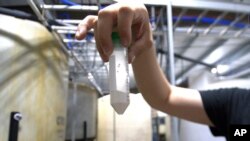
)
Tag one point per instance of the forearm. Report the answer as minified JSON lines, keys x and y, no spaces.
{"x":150,"y":79}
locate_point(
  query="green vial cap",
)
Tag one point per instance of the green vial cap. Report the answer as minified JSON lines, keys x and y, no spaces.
{"x":115,"y":38}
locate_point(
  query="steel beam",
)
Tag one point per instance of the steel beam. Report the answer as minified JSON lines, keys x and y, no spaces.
{"x":239,"y":51}
{"x":183,"y":11}
{"x":214,"y":23}
{"x":191,"y":29}
{"x":224,"y":31}
{"x":239,"y":71}
{"x":203,"y":5}
{"x":213,"y":33}
{"x":171,"y":67}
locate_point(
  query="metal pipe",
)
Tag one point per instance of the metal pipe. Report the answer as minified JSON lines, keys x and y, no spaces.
{"x":69,"y":8}
{"x":214,"y":23}
{"x":81,"y":67}
{"x":65,"y":31}
{"x":211,"y":48}
{"x":89,"y":74}
{"x":153,"y":18}
{"x":98,"y":4}
{"x":37,"y":12}
{"x":69,"y":21}
{"x":199,"y":31}
{"x":237,"y":72}
{"x":171,"y":67}
{"x":159,"y":18}
{"x":68,"y":29}
{"x":187,"y":59}
{"x":73,"y":28}
{"x":64,"y":49}
{"x":241,"y":49}
{"x":239,"y":33}
{"x":85,"y":131}
{"x":93,"y":82}
{"x":224,"y":31}
{"x":74,"y":103}
{"x":184,"y":11}
{"x":73,"y":41}
{"x":215,"y":33}
{"x":203,"y":5}
{"x":170,"y":43}
{"x":190,"y":30}
{"x":15,"y":118}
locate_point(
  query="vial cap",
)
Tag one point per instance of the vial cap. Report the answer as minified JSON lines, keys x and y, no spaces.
{"x":115,"y":38}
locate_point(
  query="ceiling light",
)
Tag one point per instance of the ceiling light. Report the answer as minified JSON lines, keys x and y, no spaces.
{"x":220,"y":69}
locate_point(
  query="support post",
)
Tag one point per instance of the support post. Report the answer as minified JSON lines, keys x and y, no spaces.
{"x":174,"y":121}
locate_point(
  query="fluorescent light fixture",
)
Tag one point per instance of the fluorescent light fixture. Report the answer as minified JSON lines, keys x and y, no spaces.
{"x":220,"y":69}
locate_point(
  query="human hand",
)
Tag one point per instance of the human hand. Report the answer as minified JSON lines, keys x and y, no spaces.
{"x":131,"y":21}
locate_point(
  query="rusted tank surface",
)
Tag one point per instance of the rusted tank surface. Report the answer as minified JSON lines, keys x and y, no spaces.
{"x":33,"y":82}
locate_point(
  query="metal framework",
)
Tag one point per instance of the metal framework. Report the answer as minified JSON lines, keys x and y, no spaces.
{"x":219,"y":30}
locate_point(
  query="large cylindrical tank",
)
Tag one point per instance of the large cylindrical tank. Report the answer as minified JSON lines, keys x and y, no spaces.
{"x":133,"y":125}
{"x":82,"y":112}
{"x":33,"y":82}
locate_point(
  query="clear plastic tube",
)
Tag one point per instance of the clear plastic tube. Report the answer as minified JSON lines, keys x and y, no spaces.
{"x":118,"y":76}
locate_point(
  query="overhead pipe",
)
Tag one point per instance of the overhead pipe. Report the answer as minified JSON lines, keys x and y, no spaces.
{"x":224,"y":31}
{"x":37,"y":12}
{"x":17,"y":14}
{"x":184,"y":11}
{"x":153,"y":18}
{"x":73,"y":28}
{"x":214,"y":23}
{"x":197,"y":21}
{"x":242,"y":48}
{"x":68,"y":2}
{"x":241,"y":71}
{"x":214,"y":33}
{"x":69,"y":21}
{"x":70,"y":8}
{"x":187,"y":59}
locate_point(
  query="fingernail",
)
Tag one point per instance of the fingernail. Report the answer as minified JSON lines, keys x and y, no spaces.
{"x":77,"y":33}
{"x":125,"y":42}
{"x":133,"y":58}
{"x":106,"y":51}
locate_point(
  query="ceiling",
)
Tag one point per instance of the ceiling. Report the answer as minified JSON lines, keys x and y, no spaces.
{"x":209,"y":35}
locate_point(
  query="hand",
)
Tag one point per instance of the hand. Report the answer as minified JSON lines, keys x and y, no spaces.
{"x":130,"y":21}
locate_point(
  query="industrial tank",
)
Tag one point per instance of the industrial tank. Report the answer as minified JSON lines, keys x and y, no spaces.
{"x":133,"y":125}
{"x":33,"y":82}
{"x":81,"y":112}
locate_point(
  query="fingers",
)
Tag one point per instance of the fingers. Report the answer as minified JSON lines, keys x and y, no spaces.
{"x":100,"y":50}
{"x":107,"y":19}
{"x":125,"y":19}
{"x":145,"y":41}
{"x":85,"y":25}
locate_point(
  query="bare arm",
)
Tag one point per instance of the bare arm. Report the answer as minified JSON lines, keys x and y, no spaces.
{"x":181,"y":102}
{"x":132,"y":23}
